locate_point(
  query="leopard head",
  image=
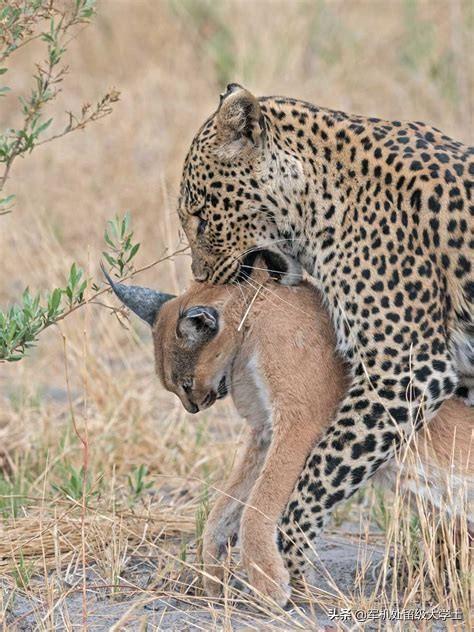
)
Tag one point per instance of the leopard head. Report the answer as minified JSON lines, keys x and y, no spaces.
{"x":232,"y":180}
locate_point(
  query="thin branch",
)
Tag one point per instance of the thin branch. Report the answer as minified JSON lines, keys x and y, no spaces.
{"x":102,"y":109}
{"x":126,"y":278}
{"x":94,"y":296}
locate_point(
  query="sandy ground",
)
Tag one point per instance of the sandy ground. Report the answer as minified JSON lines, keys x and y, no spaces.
{"x":159,"y":611}
{"x":338,"y":571}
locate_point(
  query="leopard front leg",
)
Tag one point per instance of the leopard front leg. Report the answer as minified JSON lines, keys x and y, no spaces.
{"x":377,"y":413}
{"x":223,"y":523}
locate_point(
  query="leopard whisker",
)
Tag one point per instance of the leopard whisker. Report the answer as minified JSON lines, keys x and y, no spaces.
{"x":254,"y":282}
{"x":262,"y":246}
{"x":247,"y":311}
{"x":295,"y":274}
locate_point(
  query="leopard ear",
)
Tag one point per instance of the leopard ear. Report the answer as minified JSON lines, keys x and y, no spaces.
{"x":239,"y":121}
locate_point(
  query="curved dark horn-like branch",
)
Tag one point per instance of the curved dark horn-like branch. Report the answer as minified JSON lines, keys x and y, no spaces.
{"x":144,"y":302}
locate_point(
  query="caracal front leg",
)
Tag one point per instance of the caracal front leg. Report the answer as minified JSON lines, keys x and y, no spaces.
{"x":222,"y":526}
{"x":266,"y":571}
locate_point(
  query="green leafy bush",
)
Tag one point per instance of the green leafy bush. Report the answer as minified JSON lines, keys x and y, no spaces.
{"x":21,"y":325}
{"x":54,"y":23}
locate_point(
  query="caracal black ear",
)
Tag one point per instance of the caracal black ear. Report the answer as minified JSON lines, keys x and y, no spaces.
{"x":239,"y":121}
{"x":197,"y":325}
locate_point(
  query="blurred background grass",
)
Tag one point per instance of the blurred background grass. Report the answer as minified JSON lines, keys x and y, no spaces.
{"x":409,"y":59}
{"x":404,"y":59}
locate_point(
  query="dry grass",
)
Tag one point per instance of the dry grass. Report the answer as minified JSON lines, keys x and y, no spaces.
{"x":401,"y":59}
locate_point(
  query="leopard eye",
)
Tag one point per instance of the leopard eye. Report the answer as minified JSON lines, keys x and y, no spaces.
{"x":201,"y":226}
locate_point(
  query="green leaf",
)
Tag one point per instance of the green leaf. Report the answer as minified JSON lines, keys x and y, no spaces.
{"x":133,"y":251}
{"x":73,"y":275}
{"x":6,"y":200}
{"x":55,"y":300}
{"x":110,"y":260}
{"x":108,"y":241}
{"x":43,"y":127}
{"x":125,"y":224}
{"x":80,"y":292}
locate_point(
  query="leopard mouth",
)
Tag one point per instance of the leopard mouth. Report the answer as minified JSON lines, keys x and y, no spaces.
{"x":275,"y":263}
{"x":281,"y":267}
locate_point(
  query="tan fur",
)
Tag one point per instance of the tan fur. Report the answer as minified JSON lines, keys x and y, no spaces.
{"x":287,"y":381}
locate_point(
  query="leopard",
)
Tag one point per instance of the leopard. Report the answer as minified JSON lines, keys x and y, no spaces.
{"x":379,"y":214}
{"x":216,"y":341}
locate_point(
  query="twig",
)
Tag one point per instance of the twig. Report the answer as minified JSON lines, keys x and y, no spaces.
{"x":126,"y":278}
{"x":94,"y":296}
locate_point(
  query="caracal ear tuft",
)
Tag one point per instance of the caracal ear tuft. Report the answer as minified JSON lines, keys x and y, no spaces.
{"x":239,"y":121}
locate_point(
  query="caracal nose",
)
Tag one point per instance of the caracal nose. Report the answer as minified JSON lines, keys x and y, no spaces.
{"x":191,"y":407}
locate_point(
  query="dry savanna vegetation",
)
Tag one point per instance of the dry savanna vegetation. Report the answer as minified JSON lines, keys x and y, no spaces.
{"x":105,"y":482}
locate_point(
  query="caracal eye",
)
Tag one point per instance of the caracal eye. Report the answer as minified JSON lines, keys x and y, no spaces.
{"x":188,"y":383}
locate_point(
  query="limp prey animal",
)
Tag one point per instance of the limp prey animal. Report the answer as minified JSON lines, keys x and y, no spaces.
{"x":381,"y":215}
{"x":208,"y":344}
